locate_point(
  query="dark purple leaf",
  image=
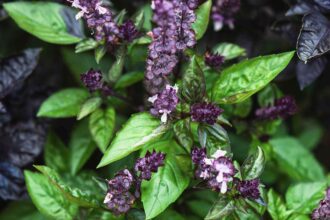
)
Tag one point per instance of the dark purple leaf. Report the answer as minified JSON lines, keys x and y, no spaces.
{"x":314,"y":38}
{"x":302,"y":8}
{"x":11,"y":182}
{"x":4,"y":115}
{"x":73,"y":26}
{"x":323,"y":3}
{"x":15,"y":69}
{"x":3,"y":14}
{"x":20,"y":143}
{"x":307,"y":73}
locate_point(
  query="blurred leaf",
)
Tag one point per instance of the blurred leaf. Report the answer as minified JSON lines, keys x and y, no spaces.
{"x":301,"y":8}
{"x":295,"y":160}
{"x":140,"y":129}
{"x":193,"y":82}
{"x":11,"y":182}
{"x":21,"y":210}
{"x":254,"y":165}
{"x":167,"y":184}
{"x":135,"y":214}
{"x":199,"y":208}
{"x":183,"y":133}
{"x":304,"y":197}
{"x":81,"y":146}
{"x":51,"y":22}
{"x":139,"y":20}
{"x":47,"y":198}
{"x":276,"y":207}
{"x":202,"y":19}
{"x":243,"y":109}
{"x":170,"y":214}
{"x":85,"y":45}
{"x":268,"y":95}
{"x":129,"y":79}
{"x":64,"y":103}
{"x":311,"y":133}
{"x":221,"y":208}
{"x":323,"y":3}
{"x":307,"y":73}
{"x":15,"y":69}
{"x":103,"y":215}
{"x":242,"y":80}
{"x":101,"y":125}
{"x":120,"y":17}
{"x":117,"y":67}
{"x":229,"y":51}
{"x":89,"y":106}
{"x":56,"y":154}
{"x":314,"y":38}
{"x":100,"y":51}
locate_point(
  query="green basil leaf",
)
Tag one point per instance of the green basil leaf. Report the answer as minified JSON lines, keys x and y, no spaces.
{"x":64,"y":103}
{"x":193,"y":83}
{"x":129,"y":79}
{"x":51,"y":22}
{"x":81,"y":146}
{"x":254,"y":165}
{"x":202,"y":19}
{"x":47,"y":198}
{"x":117,"y":67}
{"x":99,"y":53}
{"x":80,"y":190}
{"x":22,"y":210}
{"x":295,"y":160}
{"x":170,"y":214}
{"x":304,"y":197}
{"x":167,"y":184}
{"x":183,"y":133}
{"x":140,"y":129}
{"x":221,"y":208}
{"x":85,"y":45}
{"x":276,"y":207}
{"x":229,"y":51}
{"x":101,"y":125}
{"x":56,"y":153}
{"x":240,"y":81}
{"x":89,"y":107}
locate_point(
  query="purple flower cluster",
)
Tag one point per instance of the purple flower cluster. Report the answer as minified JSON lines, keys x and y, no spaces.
{"x":92,"y":79}
{"x":218,"y":170}
{"x":205,"y":113}
{"x":249,"y":188}
{"x":164,"y":102}
{"x":283,"y":108}
{"x":172,"y":35}
{"x":128,"y":31}
{"x":99,"y":19}
{"x":146,"y":165}
{"x":118,"y":199}
{"x":223,"y":12}
{"x":322,"y":212}
{"x":214,"y":60}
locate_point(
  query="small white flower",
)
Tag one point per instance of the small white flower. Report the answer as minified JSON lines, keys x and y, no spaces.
{"x":219,"y":153}
{"x":107,"y":198}
{"x":100,"y":8}
{"x":164,"y":117}
{"x":208,"y":161}
{"x":224,"y":187}
{"x":152,"y":99}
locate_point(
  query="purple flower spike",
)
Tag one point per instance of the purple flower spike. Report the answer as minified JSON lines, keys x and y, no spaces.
{"x":128,"y":31}
{"x":165,"y":102}
{"x":322,"y":212}
{"x":249,"y":188}
{"x":198,"y":154}
{"x":205,"y":113}
{"x":121,"y":182}
{"x":214,"y":60}
{"x":223,"y":12}
{"x":149,"y":164}
{"x":92,"y":79}
{"x":283,"y":108}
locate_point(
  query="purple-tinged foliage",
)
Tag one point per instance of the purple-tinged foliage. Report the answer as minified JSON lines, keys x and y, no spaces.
{"x":99,"y":19}
{"x":249,"y":188}
{"x":214,"y":60}
{"x":11,"y":182}
{"x":128,"y":31}
{"x":149,"y":164}
{"x":205,"y":113}
{"x":223,"y":12}
{"x":322,"y":212}
{"x":218,"y":171}
{"x":283,"y":108}
{"x":164,"y":103}
{"x":92,"y":79}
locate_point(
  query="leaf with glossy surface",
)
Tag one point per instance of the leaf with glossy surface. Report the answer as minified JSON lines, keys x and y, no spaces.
{"x":101,"y":125}
{"x":221,"y":208}
{"x":47,"y":198}
{"x":51,"y":22}
{"x":276,"y":207}
{"x":295,"y":160}
{"x":140,"y":129}
{"x":117,"y":67}
{"x":81,"y":146}
{"x":64,"y":103}
{"x":304,"y":197}
{"x":314,"y":37}
{"x":85,"y":45}
{"x":254,"y":165}
{"x":11,"y":182}
{"x":202,"y":19}
{"x":242,"y":80}
{"x":229,"y":51}
{"x":56,"y":153}
{"x":89,"y":107}
{"x":15,"y":69}
{"x":167,"y":184}
{"x":183,"y":133}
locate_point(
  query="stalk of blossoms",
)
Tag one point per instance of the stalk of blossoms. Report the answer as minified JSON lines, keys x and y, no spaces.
{"x":223,"y":12}
{"x":322,"y":212}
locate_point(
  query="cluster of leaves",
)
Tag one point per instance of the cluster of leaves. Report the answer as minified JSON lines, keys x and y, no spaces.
{"x":64,"y":190}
